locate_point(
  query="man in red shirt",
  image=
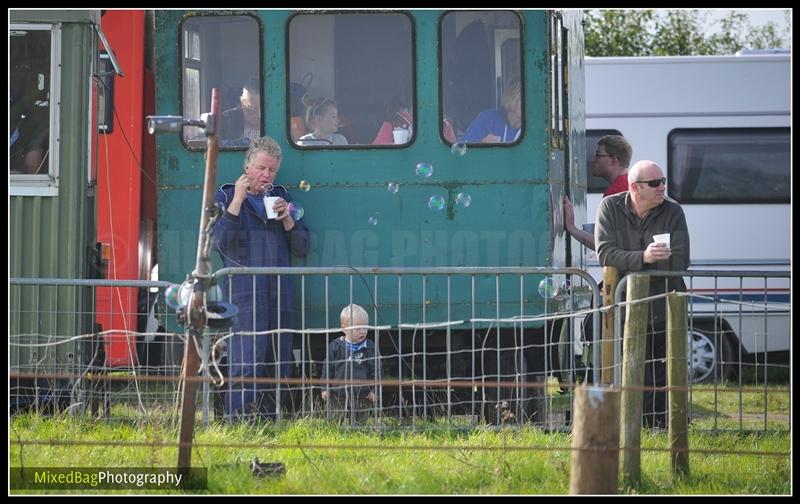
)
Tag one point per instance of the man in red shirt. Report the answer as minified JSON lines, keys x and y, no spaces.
{"x":611,"y":158}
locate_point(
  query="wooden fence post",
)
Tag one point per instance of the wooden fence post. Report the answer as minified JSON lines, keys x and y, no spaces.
{"x":595,"y":441}
{"x":678,"y":381}
{"x":633,"y":357}
{"x":610,"y":281}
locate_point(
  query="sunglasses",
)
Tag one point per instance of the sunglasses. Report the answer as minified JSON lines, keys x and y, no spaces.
{"x":653,"y":183}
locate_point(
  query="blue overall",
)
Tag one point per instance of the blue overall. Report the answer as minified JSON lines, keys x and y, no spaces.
{"x":251,"y":240}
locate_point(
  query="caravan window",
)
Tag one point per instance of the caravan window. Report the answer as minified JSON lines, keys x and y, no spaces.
{"x":729,"y":165}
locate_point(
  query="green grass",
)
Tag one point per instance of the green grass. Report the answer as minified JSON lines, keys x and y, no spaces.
{"x":728,"y":408}
{"x":394,"y":467}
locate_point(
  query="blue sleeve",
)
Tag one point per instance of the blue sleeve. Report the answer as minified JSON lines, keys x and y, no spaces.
{"x":226,"y":226}
{"x":298,"y":239}
{"x":478,"y":128}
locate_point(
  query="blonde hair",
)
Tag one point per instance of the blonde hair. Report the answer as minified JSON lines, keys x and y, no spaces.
{"x":264,"y":144}
{"x":315,"y":108}
{"x":512,"y":95}
{"x":353,"y":314}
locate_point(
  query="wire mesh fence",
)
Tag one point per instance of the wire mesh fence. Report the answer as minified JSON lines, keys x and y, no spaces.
{"x":465,"y":346}
{"x":738,"y":346}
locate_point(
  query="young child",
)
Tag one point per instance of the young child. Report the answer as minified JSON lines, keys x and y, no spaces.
{"x":351,"y":357}
{"x":322,"y":118}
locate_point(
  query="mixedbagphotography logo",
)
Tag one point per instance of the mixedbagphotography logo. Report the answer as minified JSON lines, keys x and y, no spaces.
{"x":120,"y":478}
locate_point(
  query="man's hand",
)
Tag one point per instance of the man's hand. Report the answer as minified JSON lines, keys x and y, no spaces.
{"x":656,"y":252}
{"x":242,"y":185}
{"x":569,"y":216}
{"x":281,"y":207}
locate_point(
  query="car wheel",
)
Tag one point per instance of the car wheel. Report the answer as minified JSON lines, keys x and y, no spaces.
{"x":710,"y":358}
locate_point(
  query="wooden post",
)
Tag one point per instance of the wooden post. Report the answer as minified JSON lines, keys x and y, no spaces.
{"x":633,"y":357}
{"x":610,"y":281}
{"x":678,"y":377}
{"x":196,"y":316}
{"x":595,"y":441}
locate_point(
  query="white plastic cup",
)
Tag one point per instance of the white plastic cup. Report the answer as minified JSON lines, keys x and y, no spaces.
{"x":400,"y":135}
{"x":269,"y":202}
{"x":662,"y":238}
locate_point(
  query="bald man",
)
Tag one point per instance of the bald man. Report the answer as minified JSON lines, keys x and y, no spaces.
{"x":624,"y":230}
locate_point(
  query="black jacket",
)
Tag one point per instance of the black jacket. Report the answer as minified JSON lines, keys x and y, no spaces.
{"x":341,"y":364}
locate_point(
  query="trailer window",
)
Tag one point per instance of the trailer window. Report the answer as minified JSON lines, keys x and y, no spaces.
{"x":350,"y":80}
{"x":729,"y":165}
{"x":33,"y":51}
{"x":481,"y":86}
{"x":222,"y":52}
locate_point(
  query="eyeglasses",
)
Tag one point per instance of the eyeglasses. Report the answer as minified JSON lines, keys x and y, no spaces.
{"x":653,"y":183}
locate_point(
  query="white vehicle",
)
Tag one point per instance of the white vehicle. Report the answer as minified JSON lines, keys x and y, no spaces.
{"x":719,"y":126}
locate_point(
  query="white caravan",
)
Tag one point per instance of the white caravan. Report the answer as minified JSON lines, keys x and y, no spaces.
{"x":719,"y":126}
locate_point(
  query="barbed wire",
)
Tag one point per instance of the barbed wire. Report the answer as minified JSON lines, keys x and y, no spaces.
{"x":440,"y":447}
{"x":443,"y":382}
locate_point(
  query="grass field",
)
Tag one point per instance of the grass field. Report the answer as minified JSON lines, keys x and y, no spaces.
{"x":323,"y":458}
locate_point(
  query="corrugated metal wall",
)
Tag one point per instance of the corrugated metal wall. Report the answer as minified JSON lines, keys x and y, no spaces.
{"x":49,"y":237}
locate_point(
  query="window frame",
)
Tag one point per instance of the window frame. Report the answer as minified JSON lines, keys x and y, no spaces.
{"x":197,"y":66}
{"x":718,"y":131}
{"x":498,"y":50}
{"x":412,"y":87}
{"x":45,"y":184}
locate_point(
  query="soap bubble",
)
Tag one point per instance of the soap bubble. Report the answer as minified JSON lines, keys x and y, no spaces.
{"x":548,"y":288}
{"x":436,"y":202}
{"x":304,"y":185}
{"x":424,"y":170}
{"x":296,"y":211}
{"x":393,"y":187}
{"x":463,"y":199}
{"x":171,"y":296}
{"x":185,"y":293}
{"x":373,"y":220}
{"x":458,"y":148}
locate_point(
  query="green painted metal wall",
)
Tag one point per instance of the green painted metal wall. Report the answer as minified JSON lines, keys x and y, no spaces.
{"x":49,"y":237}
{"x":511,"y":221}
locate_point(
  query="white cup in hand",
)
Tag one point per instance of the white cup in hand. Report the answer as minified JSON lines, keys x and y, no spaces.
{"x":269,"y":202}
{"x":661,"y":238}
